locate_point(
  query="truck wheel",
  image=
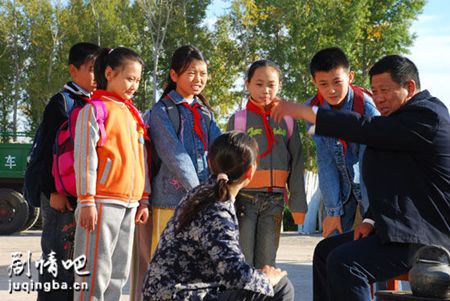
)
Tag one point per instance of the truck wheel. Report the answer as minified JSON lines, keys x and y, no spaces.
{"x":13,"y":211}
{"x":33,"y":216}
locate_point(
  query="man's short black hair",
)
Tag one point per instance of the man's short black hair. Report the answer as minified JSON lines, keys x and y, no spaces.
{"x":328,"y":59}
{"x":81,"y":53}
{"x":399,"y":67}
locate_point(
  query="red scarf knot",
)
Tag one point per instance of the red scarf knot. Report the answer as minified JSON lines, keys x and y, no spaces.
{"x":198,"y":129}
{"x":265,"y":115}
{"x":98,"y":94}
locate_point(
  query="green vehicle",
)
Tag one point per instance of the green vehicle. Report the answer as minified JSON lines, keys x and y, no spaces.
{"x":15,"y":213}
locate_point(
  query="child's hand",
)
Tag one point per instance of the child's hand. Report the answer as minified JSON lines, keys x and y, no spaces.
{"x":141,"y":214}
{"x":59,"y":202}
{"x":273,"y":274}
{"x":88,"y":217}
{"x":330,"y":224}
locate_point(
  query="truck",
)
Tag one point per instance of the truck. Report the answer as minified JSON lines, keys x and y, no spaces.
{"x":15,"y":213}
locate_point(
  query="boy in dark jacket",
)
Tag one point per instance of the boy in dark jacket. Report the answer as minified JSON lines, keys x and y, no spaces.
{"x":58,"y":223}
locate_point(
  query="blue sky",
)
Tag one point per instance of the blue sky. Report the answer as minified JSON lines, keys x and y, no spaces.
{"x":431,"y":49}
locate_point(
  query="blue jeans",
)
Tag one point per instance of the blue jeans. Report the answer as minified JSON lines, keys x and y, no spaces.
{"x":58,"y":233}
{"x":259,"y":215}
{"x":344,"y":269}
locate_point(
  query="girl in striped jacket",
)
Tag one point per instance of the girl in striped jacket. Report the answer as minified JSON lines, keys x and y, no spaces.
{"x":111,"y":177}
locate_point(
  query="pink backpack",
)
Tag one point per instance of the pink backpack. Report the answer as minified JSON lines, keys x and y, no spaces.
{"x":63,"y":149}
{"x":240,"y":123}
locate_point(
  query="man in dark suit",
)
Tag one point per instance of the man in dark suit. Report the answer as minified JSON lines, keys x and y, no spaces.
{"x":406,"y":168}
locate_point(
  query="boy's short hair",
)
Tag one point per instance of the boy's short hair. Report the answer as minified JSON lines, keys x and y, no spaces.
{"x":399,"y":67}
{"x":328,"y":59}
{"x":83,"y":52}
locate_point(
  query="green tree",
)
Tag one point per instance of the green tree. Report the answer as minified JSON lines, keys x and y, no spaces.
{"x":14,"y":38}
{"x":296,"y":29}
{"x":157,"y":17}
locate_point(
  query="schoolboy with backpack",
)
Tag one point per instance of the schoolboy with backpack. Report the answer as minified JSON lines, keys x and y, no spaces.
{"x":58,"y":224}
{"x":338,"y":161}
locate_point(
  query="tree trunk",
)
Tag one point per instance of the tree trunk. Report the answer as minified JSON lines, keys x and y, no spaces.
{"x":155,"y":75}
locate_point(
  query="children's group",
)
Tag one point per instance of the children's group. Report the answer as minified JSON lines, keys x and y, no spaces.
{"x":191,"y":213}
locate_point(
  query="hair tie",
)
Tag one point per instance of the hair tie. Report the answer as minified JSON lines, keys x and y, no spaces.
{"x":111,"y":50}
{"x":222,"y":176}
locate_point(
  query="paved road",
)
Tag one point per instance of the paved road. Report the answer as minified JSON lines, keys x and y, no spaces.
{"x":294,"y":255}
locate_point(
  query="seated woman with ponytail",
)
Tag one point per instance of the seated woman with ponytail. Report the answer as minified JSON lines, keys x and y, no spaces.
{"x":198,"y":255}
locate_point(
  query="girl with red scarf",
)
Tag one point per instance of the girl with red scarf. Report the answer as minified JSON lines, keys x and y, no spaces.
{"x":111,"y":179}
{"x":260,"y":205}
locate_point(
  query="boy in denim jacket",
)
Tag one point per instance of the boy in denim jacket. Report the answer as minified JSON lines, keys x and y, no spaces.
{"x":338,"y":162}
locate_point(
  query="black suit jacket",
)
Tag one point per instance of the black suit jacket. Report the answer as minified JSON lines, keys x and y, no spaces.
{"x":406,"y":167}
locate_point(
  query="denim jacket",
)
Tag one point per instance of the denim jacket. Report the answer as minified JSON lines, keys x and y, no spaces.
{"x":184,"y":163}
{"x":339,"y":172}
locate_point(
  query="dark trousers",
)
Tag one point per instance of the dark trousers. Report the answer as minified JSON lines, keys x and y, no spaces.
{"x":283,"y":291}
{"x":344,"y":269}
{"x":58,"y":233}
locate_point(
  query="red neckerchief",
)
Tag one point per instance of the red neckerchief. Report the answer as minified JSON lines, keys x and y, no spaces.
{"x":264,"y":116}
{"x":197,"y":121}
{"x":129,"y":103}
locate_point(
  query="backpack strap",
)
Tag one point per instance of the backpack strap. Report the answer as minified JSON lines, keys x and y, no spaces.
{"x":173,"y":112}
{"x":317,"y":100}
{"x":240,"y":121}
{"x":358,"y":99}
{"x":101,"y":114}
{"x":290,"y":126}
{"x":207,"y":115}
{"x":68,"y":101}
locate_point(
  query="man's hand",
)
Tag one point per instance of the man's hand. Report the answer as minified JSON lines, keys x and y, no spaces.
{"x":59,"y":202}
{"x":274,"y":274}
{"x":363,"y":230}
{"x":330,"y":224}
{"x":297,"y":111}
{"x":142,"y":214}
{"x":88,"y":217}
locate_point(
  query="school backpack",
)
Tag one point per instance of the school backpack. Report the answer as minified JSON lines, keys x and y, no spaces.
{"x":358,"y":104}
{"x":63,"y":148}
{"x":174,"y":115}
{"x":32,"y":187}
{"x":240,"y":123}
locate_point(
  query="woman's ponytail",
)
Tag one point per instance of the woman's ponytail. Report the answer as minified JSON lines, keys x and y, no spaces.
{"x":223,"y":193}
{"x":230,"y":156}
